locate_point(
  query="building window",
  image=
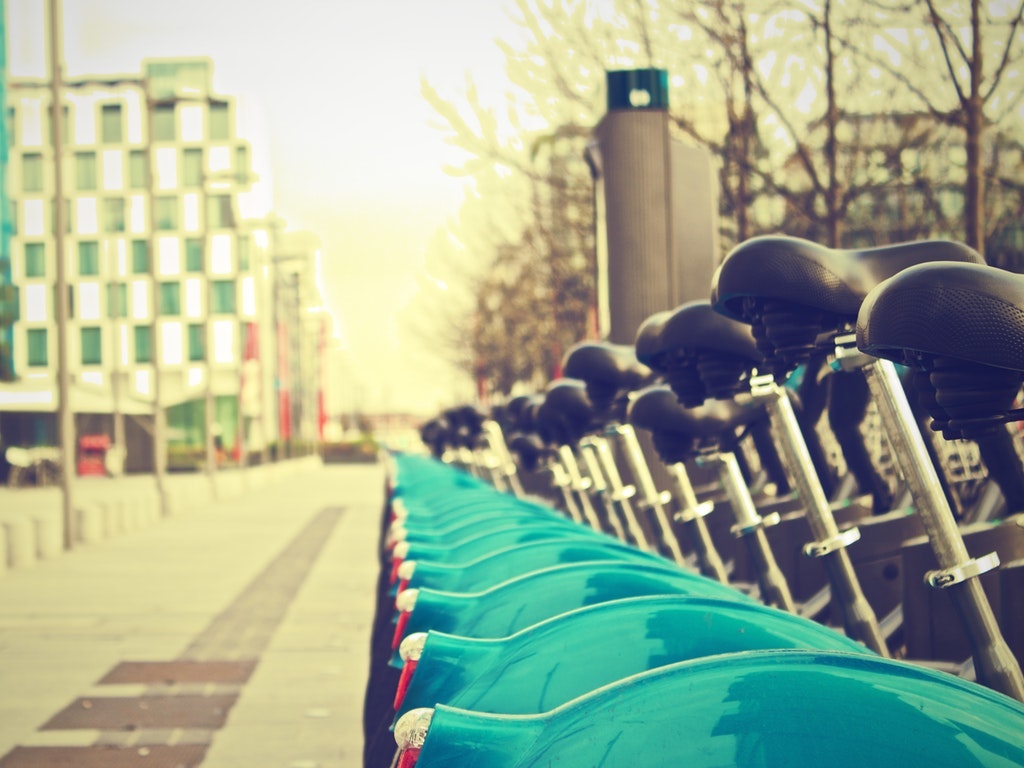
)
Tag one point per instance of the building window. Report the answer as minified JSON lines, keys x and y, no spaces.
{"x":143,"y":344}
{"x":65,"y":126}
{"x":117,"y":300}
{"x":242,"y":163}
{"x":37,"y":347}
{"x":35,"y":302}
{"x":222,"y":298}
{"x":224,"y":333}
{"x":113,"y":214}
{"x":111,"y":128}
{"x":192,"y":168}
{"x":12,"y":120}
{"x":163,"y":122}
{"x":88,"y":258}
{"x":89,"y":300}
{"x":140,"y":257}
{"x":166,"y":212}
{"x":85,"y":170}
{"x":92,"y":346}
{"x":35,"y":260}
{"x":113,"y":169}
{"x":170,"y":298}
{"x":138,"y":169}
{"x":219,"y":212}
{"x":190,"y":118}
{"x":196,"y":342}
{"x":219,"y":128}
{"x":244,"y":251}
{"x":32,"y":172}
{"x":193,"y":255}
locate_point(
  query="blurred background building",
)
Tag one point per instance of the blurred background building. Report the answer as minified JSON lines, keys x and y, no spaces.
{"x":154,"y":244}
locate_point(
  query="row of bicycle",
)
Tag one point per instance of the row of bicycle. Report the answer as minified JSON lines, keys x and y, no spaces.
{"x":629,"y":626}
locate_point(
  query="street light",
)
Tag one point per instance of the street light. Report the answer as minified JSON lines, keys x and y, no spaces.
{"x":65,"y":415}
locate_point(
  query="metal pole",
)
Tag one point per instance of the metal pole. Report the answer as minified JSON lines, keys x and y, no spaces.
{"x":496,"y":439}
{"x":620,"y":493}
{"x":65,"y":415}
{"x":750,"y":527}
{"x":159,"y":416}
{"x":599,"y":487}
{"x":691,"y":514}
{"x":210,"y":465}
{"x":560,"y":479}
{"x":829,"y":545}
{"x":486,"y":460}
{"x":115,"y":377}
{"x":650,"y":497}
{"x":995,"y":664}
{"x":579,"y":485}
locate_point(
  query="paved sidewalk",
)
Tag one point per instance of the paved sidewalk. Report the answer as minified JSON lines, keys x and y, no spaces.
{"x":277,"y":582}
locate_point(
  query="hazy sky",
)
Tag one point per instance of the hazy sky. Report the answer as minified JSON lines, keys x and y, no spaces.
{"x":329,"y":94}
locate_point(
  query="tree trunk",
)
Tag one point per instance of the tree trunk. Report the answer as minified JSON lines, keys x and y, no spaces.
{"x":974,"y":124}
{"x":833,"y":213}
{"x":974,"y":188}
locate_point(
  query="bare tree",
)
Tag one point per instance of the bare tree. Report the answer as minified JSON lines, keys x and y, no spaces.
{"x":830,"y":118}
{"x":724,"y":32}
{"x":959,"y":62}
{"x":536,"y":292}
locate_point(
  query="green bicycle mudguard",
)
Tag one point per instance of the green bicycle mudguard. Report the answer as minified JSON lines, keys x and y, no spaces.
{"x":507,"y":563}
{"x":483,"y":542}
{"x":447,"y":508}
{"x":418,"y":473}
{"x":546,"y":665}
{"x":528,"y":599}
{"x":769,"y":709}
{"x":485,"y":521}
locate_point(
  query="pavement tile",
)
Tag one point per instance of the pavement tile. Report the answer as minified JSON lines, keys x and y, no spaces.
{"x":147,"y":594}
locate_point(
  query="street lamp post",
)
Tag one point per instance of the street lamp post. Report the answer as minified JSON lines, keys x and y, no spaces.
{"x":156,"y":347}
{"x":209,"y":403}
{"x":65,"y":415}
{"x":114,"y":302}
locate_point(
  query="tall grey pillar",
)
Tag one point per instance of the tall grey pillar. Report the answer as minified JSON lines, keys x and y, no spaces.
{"x":657,"y":207}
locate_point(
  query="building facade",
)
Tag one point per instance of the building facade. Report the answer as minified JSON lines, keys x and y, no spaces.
{"x":303,"y":333}
{"x":168,"y":284}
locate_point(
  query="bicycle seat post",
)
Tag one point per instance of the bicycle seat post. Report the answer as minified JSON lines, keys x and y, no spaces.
{"x":829,"y":543}
{"x":560,"y":480}
{"x":598,"y":486}
{"x":620,"y":493}
{"x":495,"y":437}
{"x":650,"y":497}
{"x":957,"y":575}
{"x":928,"y":298}
{"x":691,"y":516}
{"x":750,"y":527}
{"x":579,"y":485}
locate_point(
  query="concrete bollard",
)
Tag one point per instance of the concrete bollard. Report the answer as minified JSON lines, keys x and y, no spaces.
{"x":21,"y":540}
{"x":49,"y":529}
{"x":91,"y":524}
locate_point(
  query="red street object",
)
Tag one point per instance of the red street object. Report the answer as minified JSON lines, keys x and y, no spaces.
{"x":409,"y":758}
{"x":396,"y":563}
{"x":408,"y":670}
{"x":284,"y":399}
{"x":92,"y":453}
{"x":400,"y":625}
